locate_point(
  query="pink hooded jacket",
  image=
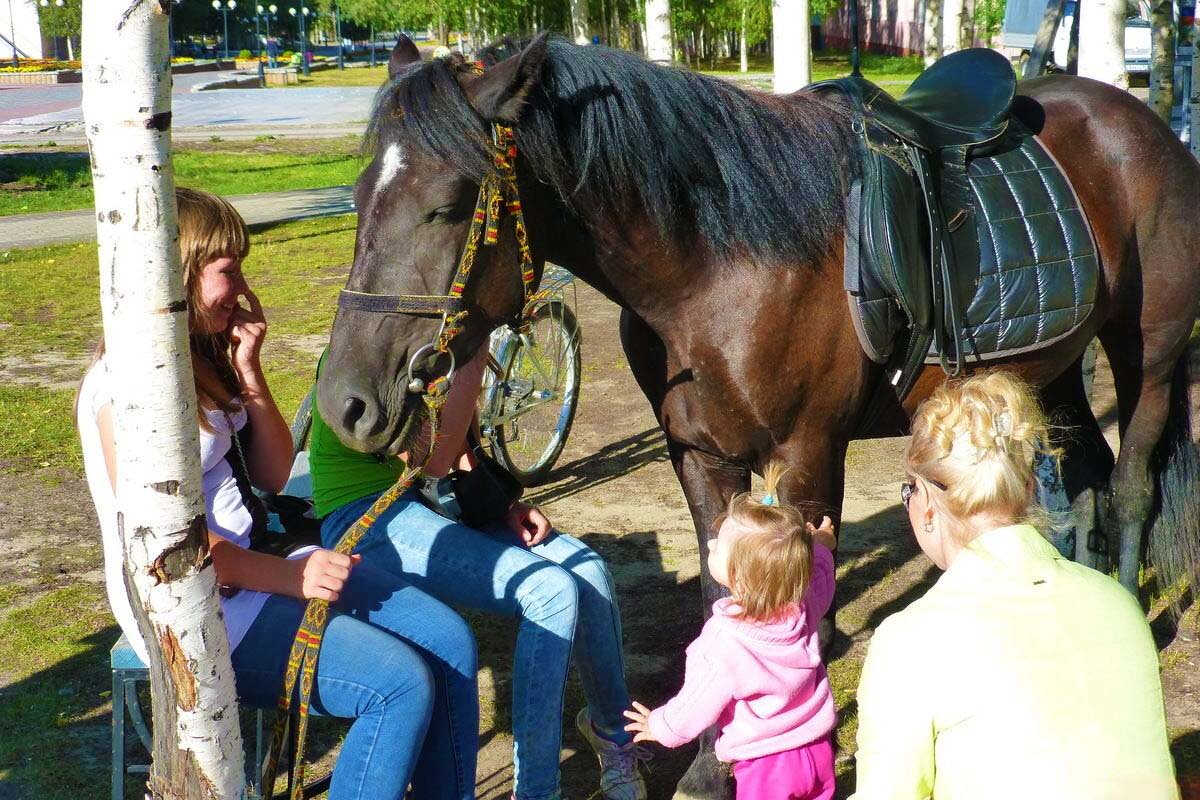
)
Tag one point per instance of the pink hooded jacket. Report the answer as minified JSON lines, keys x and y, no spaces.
{"x":763,"y":684}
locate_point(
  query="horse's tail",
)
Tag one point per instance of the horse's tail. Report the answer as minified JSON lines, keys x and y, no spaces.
{"x":1175,"y":536}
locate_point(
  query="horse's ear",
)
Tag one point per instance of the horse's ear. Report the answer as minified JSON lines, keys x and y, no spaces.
{"x":500,"y":92}
{"x":403,"y":54}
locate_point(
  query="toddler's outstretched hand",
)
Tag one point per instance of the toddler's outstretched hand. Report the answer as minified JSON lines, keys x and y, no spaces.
{"x":824,"y":535}
{"x":640,"y":725}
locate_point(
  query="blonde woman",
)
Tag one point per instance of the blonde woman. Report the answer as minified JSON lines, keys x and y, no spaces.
{"x":1019,"y":674}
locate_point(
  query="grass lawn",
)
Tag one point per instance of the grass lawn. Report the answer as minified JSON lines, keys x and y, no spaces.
{"x":49,"y":314}
{"x":352,"y":76}
{"x":60,"y":179}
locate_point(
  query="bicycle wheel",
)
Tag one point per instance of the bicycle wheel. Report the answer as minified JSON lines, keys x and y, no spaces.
{"x":534,"y":406}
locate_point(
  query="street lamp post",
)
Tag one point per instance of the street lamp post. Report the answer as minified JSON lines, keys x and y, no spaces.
{"x":302,"y":16}
{"x":337,"y":29}
{"x":12,"y":22}
{"x":225,"y":8}
{"x":257,"y":33}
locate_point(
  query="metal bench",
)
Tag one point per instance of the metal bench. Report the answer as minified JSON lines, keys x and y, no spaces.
{"x":128,"y":669}
{"x":127,"y":672}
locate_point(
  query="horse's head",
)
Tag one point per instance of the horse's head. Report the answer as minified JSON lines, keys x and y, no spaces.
{"x":416,"y":200}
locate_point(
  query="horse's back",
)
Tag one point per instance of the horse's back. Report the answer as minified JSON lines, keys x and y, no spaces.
{"x":1137,"y":183}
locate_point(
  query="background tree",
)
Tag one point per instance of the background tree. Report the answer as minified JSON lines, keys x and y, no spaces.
{"x":64,"y":21}
{"x":1102,"y":42}
{"x":792,"y":44}
{"x":933,"y":31}
{"x":173,"y":592}
{"x":659,"y":43}
{"x":1162,"y":58}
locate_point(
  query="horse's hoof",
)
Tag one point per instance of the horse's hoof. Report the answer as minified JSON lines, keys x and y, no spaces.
{"x":706,"y":779}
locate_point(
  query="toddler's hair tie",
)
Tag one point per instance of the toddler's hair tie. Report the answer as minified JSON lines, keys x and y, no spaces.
{"x":768,"y":500}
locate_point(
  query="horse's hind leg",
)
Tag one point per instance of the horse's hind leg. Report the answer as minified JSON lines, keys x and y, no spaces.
{"x":1086,"y":464}
{"x":1142,"y":374}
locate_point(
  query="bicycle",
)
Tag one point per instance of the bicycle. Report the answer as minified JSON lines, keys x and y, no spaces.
{"x":531,"y":384}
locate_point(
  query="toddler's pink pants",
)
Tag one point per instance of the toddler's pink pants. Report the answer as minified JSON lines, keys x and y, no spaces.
{"x":805,"y":773}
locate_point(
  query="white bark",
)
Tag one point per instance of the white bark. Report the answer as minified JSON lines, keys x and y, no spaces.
{"x":792,"y":47}
{"x":658,"y":32}
{"x":581,"y":29}
{"x":952,"y":21}
{"x":742,"y":49}
{"x":127,"y":107}
{"x":933,"y":31}
{"x":1102,"y":42}
{"x":1162,"y":59}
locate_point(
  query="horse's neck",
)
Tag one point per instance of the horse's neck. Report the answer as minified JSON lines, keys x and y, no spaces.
{"x":626,"y":261}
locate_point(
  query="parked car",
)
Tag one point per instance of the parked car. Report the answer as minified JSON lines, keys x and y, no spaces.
{"x":1022,"y":18}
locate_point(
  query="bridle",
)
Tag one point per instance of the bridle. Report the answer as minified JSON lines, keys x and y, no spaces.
{"x":497,"y":192}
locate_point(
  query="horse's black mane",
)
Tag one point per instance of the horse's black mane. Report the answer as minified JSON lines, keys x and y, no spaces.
{"x":749,"y":175}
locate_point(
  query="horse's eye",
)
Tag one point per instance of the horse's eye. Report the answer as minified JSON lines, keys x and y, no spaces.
{"x":439,"y":213}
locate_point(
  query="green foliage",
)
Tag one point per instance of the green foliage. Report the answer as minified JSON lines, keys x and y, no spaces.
{"x":56,"y":20}
{"x":989,"y":16}
{"x":244,"y":54}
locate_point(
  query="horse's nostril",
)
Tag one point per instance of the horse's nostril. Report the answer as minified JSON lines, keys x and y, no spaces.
{"x":353,"y":412}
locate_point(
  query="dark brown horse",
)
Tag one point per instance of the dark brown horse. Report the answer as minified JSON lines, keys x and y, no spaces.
{"x":714,"y":218}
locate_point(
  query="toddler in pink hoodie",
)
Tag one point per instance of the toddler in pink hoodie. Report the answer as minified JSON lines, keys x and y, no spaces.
{"x":756,"y":668}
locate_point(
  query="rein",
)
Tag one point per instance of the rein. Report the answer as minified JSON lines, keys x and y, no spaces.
{"x":497,"y":192}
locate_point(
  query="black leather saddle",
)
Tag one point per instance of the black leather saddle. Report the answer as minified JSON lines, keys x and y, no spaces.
{"x":964,"y":239}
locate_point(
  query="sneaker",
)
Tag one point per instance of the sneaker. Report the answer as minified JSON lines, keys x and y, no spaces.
{"x":620,"y":778}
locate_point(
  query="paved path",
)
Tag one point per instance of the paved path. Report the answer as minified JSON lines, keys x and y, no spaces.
{"x":36,"y":114}
{"x":33,"y":230}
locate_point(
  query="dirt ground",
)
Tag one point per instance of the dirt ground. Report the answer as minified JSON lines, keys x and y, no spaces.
{"x":615,"y":489}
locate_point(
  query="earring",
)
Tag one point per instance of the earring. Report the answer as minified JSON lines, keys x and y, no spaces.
{"x":927,"y":527}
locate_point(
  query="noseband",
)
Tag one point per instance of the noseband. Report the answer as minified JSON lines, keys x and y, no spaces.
{"x":497,"y":191}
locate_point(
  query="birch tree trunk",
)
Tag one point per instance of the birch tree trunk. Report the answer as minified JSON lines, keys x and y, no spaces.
{"x":1102,"y":42}
{"x":581,"y":29}
{"x":742,"y":49}
{"x":127,"y":114}
{"x":1162,"y":59}
{"x":658,"y":31}
{"x":933,"y":31}
{"x":792,"y":46}
{"x":952,"y":20}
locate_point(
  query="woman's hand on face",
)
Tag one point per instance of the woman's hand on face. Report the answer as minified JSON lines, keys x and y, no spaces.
{"x":639,"y":724}
{"x":528,"y":522}
{"x":324,"y":573}
{"x":247,"y":330}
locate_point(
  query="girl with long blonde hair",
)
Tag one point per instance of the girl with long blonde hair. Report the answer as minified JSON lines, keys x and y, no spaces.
{"x":395,"y":661}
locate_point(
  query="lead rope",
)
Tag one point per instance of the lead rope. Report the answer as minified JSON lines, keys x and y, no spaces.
{"x":497,"y":192}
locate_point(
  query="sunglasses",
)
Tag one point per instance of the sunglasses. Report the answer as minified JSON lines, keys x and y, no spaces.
{"x":909,"y":488}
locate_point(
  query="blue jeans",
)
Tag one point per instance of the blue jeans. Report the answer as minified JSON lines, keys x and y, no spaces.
{"x":552,"y":588}
{"x":397,"y":662}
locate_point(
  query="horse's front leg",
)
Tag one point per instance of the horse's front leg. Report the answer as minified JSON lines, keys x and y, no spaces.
{"x":815,"y":482}
{"x":708,"y":483}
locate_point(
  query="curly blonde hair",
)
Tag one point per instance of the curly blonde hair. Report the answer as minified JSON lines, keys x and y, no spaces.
{"x":771,"y":564}
{"x":977,"y":438}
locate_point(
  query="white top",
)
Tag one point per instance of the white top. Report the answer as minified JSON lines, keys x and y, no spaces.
{"x":227,"y":514}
